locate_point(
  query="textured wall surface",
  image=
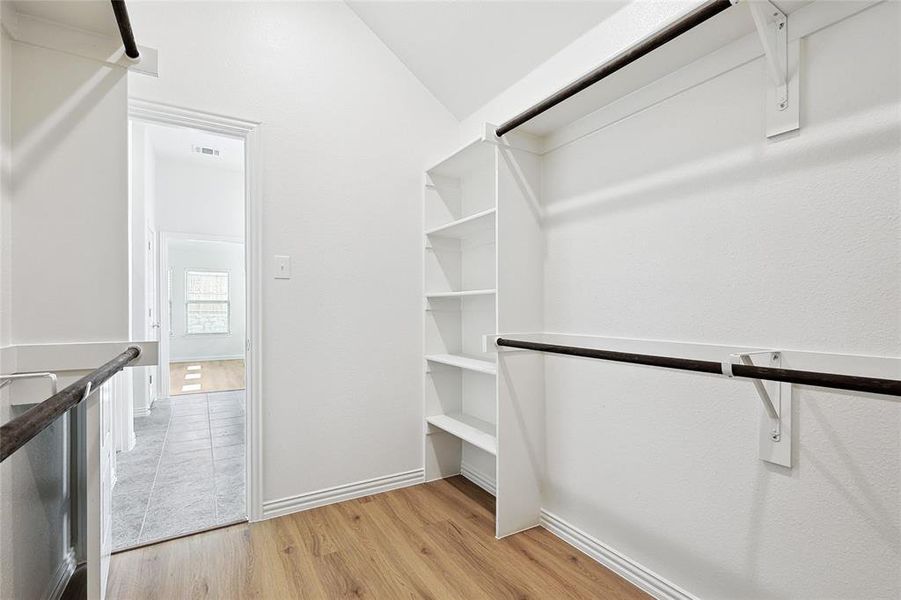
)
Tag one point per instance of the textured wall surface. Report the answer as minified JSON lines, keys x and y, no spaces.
{"x":70,"y":208}
{"x":346,"y":133}
{"x":684,"y":223}
{"x":65,"y":271}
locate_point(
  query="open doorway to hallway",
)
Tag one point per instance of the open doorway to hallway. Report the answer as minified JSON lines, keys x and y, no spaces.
{"x":204,"y":310}
{"x":182,"y":467}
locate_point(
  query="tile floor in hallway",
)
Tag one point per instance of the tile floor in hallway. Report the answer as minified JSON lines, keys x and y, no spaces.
{"x":186,"y":471}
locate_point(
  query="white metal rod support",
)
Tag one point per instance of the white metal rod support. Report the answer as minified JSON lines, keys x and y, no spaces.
{"x":765,"y":399}
{"x":772,"y":28}
{"x":7,"y":379}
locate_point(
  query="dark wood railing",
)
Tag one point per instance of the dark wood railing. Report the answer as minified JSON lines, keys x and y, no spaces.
{"x":19,"y":431}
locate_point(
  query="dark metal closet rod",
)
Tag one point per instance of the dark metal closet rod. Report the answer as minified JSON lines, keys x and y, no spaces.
{"x":693,"y":19}
{"x":19,"y":431}
{"x":128,"y":36}
{"x":873,"y":385}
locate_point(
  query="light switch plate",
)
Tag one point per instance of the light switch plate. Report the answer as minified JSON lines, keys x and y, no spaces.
{"x":282,"y":266}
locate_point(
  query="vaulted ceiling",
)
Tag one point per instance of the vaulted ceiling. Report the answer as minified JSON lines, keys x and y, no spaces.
{"x":467,"y":52}
{"x":464,"y":51}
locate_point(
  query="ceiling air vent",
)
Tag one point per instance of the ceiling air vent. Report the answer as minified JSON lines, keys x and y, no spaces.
{"x":205,"y":150}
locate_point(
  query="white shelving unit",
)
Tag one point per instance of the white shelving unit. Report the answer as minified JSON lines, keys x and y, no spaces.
{"x":463,"y":294}
{"x":471,"y":430}
{"x":465,"y":227}
{"x":464,"y":362}
{"x":477,"y":217}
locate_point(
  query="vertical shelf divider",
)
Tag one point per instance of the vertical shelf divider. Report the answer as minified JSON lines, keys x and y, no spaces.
{"x":520,"y":375}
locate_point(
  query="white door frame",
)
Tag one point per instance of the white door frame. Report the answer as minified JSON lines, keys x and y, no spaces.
{"x":152,"y":325}
{"x":162,"y":285}
{"x":249,"y":131}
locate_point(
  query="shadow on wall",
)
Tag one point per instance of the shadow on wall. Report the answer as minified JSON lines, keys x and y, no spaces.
{"x":865,"y":503}
{"x":83,"y":95}
{"x":866,"y":134}
{"x":832,"y":469}
{"x":536,"y":458}
{"x":613,"y":526}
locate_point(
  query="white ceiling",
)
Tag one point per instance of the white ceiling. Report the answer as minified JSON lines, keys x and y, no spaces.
{"x":90,"y":15}
{"x":176,"y":143}
{"x":466,"y":52}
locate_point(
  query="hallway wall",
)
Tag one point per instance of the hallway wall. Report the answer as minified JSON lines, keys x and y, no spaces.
{"x":192,"y":198}
{"x":346,"y":132}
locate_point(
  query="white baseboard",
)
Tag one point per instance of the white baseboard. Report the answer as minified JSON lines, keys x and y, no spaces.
{"x":61,"y":577}
{"x":625,"y":567}
{"x":146,"y":410}
{"x":196,"y":359}
{"x":349,"y":491}
{"x":480,"y":479}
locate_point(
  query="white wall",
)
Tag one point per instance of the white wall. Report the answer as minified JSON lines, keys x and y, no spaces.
{"x":65,"y":268}
{"x":346,"y":132}
{"x":5,"y":186}
{"x":188,"y":255}
{"x":142,"y":216}
{"x":683,"y":222}
{"x":70,"y":203}
{"x":192,"y":198}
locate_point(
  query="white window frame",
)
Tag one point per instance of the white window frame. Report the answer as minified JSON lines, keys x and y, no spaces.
{"x":228,"y":316}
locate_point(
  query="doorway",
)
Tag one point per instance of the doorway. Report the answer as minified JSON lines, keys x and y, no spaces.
{"x":186,"y":468}
{"x":204,"y":312}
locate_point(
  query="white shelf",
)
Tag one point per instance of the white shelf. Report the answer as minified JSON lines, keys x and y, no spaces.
{"x":477,"y":432}
{"x":473,"y":156}
{"x":463,"y":294}
{"x":464,"y":362}
{"x":466,"y":226}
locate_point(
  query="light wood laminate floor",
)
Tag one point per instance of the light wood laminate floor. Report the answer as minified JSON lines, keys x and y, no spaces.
{"x":203,"y":376}
{"x":434,"y":540}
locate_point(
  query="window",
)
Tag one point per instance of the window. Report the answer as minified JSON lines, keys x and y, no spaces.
{"x":206,"y":302}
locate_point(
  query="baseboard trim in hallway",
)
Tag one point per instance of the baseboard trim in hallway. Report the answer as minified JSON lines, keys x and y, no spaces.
{"x":340,"y":493}
{"x":633,"y":572}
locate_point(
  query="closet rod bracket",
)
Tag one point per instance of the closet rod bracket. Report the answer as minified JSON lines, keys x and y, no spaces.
{"x":772,"y":29}
{"x":771,"y":409}
{"x":782,"y":65}
{"x":775,"y":438}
